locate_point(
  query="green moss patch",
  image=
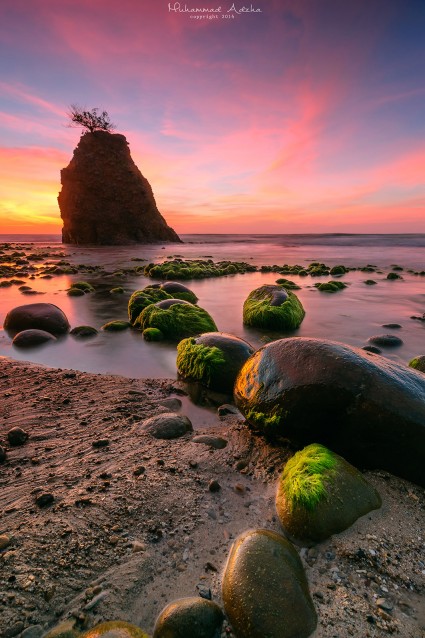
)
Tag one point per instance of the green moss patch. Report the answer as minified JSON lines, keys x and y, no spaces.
{"x":141,"y":299}
{"x":117,"y":291}
{"x":152,"y":334}
{"x":116,"y":326}
{"x":305,"y":474}
{"x":331,"y":286}
{"x":196,"y":269}
{"x":259,"y":311}
{"x":200,"y":362}
{"x":75,"y":292}
{"x":178,"y":321}
{"x":83,"y":285}
{"x":288,"y":284}
{"x":418,"y":363}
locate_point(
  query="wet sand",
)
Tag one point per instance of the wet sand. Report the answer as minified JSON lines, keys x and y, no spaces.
{"x":133,"y":524}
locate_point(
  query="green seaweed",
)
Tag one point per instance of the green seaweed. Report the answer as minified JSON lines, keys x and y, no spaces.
{"x":116,"y":326}
{"x":331,"y":286}
{"x":178,"y":321}
{"x":305,"y":474}
{"x":152,"y":334}
{"x":141,"y":299}
{"x":175,"y":269}
{"x":270,"y":421}
{"x":418,"y":363}
{"x":259,"y":313}
{"x":117,"y":291}
{"x":199,"y":362}
{"x":288,"y":284}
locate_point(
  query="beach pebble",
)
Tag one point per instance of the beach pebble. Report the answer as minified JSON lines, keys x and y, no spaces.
{"x":100,"y":443}
{"x":189,"y":618}
{"x":172,"y":403}
{"x":17,"y":436}
{"x":4,"y":541}
{"x":65,"y":629}
{"x":44,"y":499}
{"x":216,"y":442}
{"x":265,"y":591}
{"x":31,"y":338}
{"x":214,"y":486}
{"x":83,"y":331}
{"x":14,"y":630}
{"x":3,"y":454}
{"x":386,"y":341}
{"x":167,"y":426}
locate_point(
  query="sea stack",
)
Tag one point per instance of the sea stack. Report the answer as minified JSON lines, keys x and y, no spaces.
{"x":105,"y":200}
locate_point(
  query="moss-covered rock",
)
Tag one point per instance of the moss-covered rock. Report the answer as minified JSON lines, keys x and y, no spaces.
{"x":331,"y":286}
{"x":153,"y":334}
{"x":273,"y":308}
{"x":177,"y":291}
{"x":418,"y":363}
{"x":370,"y":282}
{"x":288,"y":284}
{"x":141,"y":299}
{"x":116,"y":326}
{"x":320,"y":494}
{"x":119,"y":290}
{"x":393,"y":276}
{"x":83,"y":331}
{"x":363,"y":406}
{"x":265,"y":591}
{"x":189,"y":618}
{"x":338,"y":270}
{"x":176,"y":319}
{"x":115,"y":629}
{"x":75,"y":292}
{"x":196,"y":269}
{"x":213,"y":358}
{"x":82,"y":285}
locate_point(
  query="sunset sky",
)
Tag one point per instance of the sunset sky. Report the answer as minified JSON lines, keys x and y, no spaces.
{"x":305,"y":117}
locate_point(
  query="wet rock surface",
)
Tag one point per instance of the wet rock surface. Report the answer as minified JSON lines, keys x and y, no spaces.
{"x":265,"y":590}
{"x":105,"y":199}
{"x":360,"y":405}
{"x":31,"y":338}
{"x":167,"y":426}
{"x":189,"y":618}
{"x":39,"y":316}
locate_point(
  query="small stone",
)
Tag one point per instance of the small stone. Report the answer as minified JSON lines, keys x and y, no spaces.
{"x":96,"y":600}
{"x":44,"y":499}
{"x":214,"y":486}
{"x":372,"y":349}
{"x":100,"y":443}
{"x":241,"y":465}
{"x":189,"y":618}
{"x":139,"y":470}
{"x":2,"y":454}
{"x":114,"y":540}
{"x":4,"y":541}
{"x":172,"y":403}
{"x":138,"y":546}
{"x":34,"y":631}
{"x":384,"y":604}
{"x":17,"y":436}
{"x":14,"y":630}
{"x":167,"y":426}
{"x":394,"y":326}
{"x":216,"y":442}
{"x":193,"y":464}
{"x":386,"y":341}
{"x":204,"y":592}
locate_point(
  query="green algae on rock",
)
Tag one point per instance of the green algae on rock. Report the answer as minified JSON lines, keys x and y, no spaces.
{"x":83,"y":331}
{"x":338,"y":270}
{"x":119,"y":290}
{"x":115,"y":629}
{"x":196,"y":269}
{"x":288,"y":284}
{"x":152,"y":334}
{"x":176,"y":319}
{"x":213,"y":358}
{"x":189,"y":618}
{"x":116,"y":326}
{"x":177,"y":291}
{"x":320,"y":494}
{"x":141,"y":299}
{"x":75,"y":292}
{"x":265,"y":590}
{"x":363,"y":406}
{"x":273,"y":308}
{"x":83,"y":285}
{"x":418,"y":363}
{"x":331,"y":286}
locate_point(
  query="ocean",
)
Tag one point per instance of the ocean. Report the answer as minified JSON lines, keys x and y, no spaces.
{"x":350,"y":316}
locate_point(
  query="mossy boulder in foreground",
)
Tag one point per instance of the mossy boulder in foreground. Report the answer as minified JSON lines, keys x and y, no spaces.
{"x":40,"y":316}
{"x":115,"y":629}
{"x":141,"y":299}
{"x":176,"y":319}
{"x":189,"y":618}
{"x":265,"y":591}
{"x":363,"y":406}
{"x":320,"y":494}
{"x":273,"y":308}
{"x":213,"y":358}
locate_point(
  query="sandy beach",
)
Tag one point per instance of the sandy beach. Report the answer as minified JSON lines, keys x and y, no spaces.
{"x":133,"y":523}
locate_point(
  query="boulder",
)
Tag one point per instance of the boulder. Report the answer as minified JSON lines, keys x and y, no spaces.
{"x":116,"y":326}
{"x":273,"y":308}
{"x":32,"y":337}
{"x":213,"y":358}
{"x":105,"y":199}
{"x":177,"y":290}
{"x":363,"y":406}
{"x":141,"y":299}
{"x":167,"y":426}
{"x":265,"y":590}
{"x":38,"y":316}
{"x":176,"y":319}
{"x":114,"y":629}
{"x":386,"y":341}
{"x":83,"y":331}
{"x":189,"y":618}
{"x":320,"y":494}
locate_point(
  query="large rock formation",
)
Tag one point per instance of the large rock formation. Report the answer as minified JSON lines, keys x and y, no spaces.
{"x":105,"y":199}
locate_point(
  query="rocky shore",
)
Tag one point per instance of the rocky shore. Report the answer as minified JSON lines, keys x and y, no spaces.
{"x":100,"y":520}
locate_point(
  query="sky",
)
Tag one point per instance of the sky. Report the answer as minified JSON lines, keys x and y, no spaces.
{"x":303,"y":116}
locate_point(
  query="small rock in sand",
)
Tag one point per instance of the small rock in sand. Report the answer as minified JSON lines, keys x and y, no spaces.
{"x":4,"y":541}
{"x":214,"y":486}
{"x":17,"y":436}
{"x":2,"y":454}
{"x":167,"y":426}
{"x":44,"y":499}
{"x":216,"y":442}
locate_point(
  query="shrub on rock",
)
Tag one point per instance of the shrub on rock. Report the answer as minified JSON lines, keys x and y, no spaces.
{"x":320,"y":494}
{"x":213,"y":358}
{"x":265,"y":590}
{"x":273,"y":308}
{"x":176,"y":319}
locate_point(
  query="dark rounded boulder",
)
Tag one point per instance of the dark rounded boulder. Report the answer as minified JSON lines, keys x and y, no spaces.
{"x":32,"y":337}
{"x":189,"y":618}
{"x":363,"y":406}
{"x":38,"y":316}
{"x":386,"y":341}
{"x":213,"y":358}
{"x":177,"y":290}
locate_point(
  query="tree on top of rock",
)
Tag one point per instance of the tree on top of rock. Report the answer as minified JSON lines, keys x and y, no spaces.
{"x":91,"y":120}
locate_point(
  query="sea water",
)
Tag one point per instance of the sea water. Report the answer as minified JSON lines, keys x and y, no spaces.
{"x":350,"y":316}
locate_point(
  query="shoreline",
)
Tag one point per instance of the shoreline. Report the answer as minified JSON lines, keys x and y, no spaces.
{"x":134,"y":526}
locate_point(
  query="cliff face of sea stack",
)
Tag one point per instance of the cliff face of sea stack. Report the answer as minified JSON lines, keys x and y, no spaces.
{"x":105,"y":199}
